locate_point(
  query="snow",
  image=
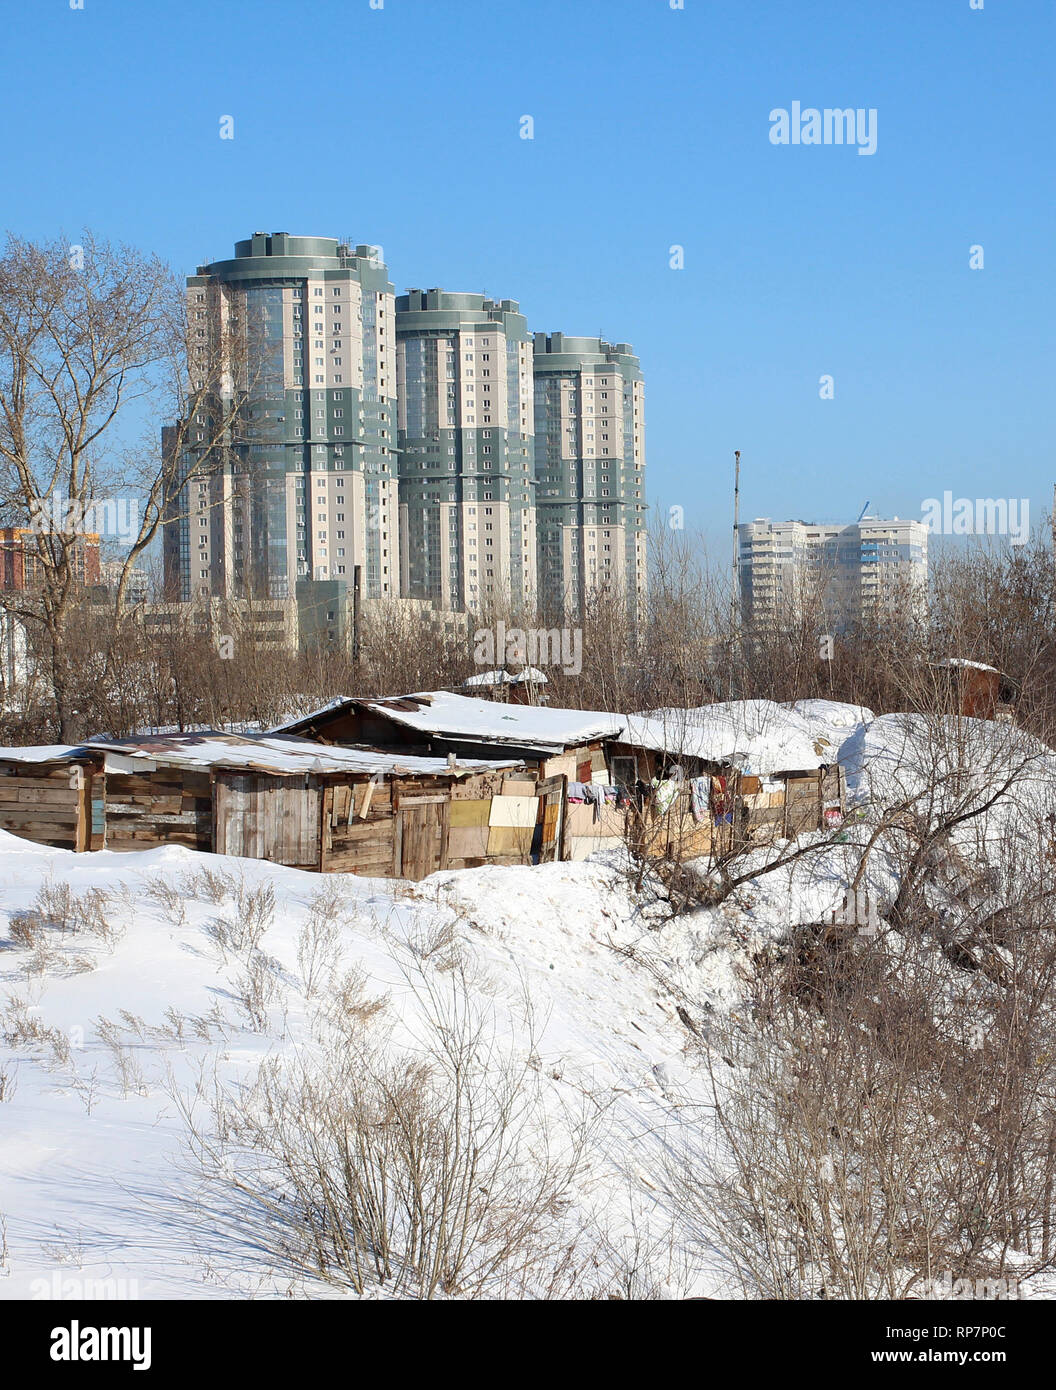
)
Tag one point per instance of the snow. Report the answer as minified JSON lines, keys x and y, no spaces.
{"x":259,"y":752}
{"x":97,"y":1175}
{"x":267,"y":753}
{"x":962,"y":661}
{"x":460,"y":717}
{"x":758,"y":736}
{"x":898,"y":756}
{"x":500,"y":677}
{"x":42,"y":753}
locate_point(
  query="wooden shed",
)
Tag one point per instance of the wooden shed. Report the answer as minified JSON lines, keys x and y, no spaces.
{"x":553,"y":742}
{"x":725,"y":776}
{"x":328,"y":809}
{"x":977,"y":690}
{"x":53,"y":795}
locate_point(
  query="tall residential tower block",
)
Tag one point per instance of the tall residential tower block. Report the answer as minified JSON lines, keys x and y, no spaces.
{"x":303,"y":489}
{"x":467,"y":515}
{"x":589,"y":470}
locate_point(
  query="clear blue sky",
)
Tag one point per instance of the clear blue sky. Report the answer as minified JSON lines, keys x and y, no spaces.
{"x":401,"y":126}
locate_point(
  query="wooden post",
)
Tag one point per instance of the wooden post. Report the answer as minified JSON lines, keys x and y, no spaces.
{"x":445,"y":829}
{"x":325,"y":812}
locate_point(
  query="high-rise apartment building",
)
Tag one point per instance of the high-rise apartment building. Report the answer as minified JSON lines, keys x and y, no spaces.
{"x":843,"y":573}
{"x":464,"y":386}
{"x":426,"y":448}
{"x":302,"y":491}
{"x":589,"y":470}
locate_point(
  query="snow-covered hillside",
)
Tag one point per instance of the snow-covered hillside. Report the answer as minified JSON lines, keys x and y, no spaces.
{"x":106,"y":1040}
{"x":137,"y":989}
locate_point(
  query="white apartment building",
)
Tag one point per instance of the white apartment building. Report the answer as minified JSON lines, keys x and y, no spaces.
{"x":842,"y":572}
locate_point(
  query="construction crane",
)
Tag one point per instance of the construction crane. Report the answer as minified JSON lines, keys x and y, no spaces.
{"x":862,"y":513}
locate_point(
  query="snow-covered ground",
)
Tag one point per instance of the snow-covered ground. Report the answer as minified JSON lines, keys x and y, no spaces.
{"x":96,"y":1179}
{"x":114,"y":1035}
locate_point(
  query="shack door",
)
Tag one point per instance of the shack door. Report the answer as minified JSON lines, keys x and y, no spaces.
{"x":552,"y":795}
{"x":262,"y":817}
{"x":421,"y":835}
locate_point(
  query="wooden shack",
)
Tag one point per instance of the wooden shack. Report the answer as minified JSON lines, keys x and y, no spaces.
{"x":327,"y":809}
{"x":976,"y":690}
{"x":726,"y":776}
{"x":553,"y":742}
{"x":52,"y":795}
{"x":558,"y":747}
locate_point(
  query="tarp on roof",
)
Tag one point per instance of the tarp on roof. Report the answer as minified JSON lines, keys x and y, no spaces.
{"x":460,"y":718}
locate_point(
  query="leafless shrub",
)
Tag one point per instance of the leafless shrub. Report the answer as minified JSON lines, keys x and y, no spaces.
{"x":434,"y":938}
{"x":883,"y":1116}
{"x":177,"y":1022}
{"x":242,"y":930}
{"x":318,"y":947}
{"x":428,"y":1173}
{"x":348,"y":1007}
{"x":170,"y":898}
{"x":58,"y":908}
{"x":26,"y":928}
{"x":128,"y":1067}
{"x":257,"y":987}
{"x":205,"y":1024}
{"x":25,"y":1028}
{"x":214,"y":885}
{"x":8,"y":1083}
{"x":87,"y":1088}
{"x":56,"y":905}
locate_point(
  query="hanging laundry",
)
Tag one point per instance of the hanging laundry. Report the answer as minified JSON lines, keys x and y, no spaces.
{"x":595,"y":795}
{"x":665,"y":792}
{"x":721,"y":798}
{"x":699,"y":792}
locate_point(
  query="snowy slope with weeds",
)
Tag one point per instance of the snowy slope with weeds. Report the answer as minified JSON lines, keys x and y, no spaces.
{"x":221,"y":1077}
{"x":158,"y":1006}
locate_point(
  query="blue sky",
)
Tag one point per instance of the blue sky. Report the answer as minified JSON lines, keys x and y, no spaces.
{"x":400,"y":126}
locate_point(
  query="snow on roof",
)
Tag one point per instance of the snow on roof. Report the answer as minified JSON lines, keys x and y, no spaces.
{"x":972,"y":665}
{"x":832,"y":714}
{"x":256,"y":752}
{"x":899,"y":756}
{"x":758,"y":736}
{"x":530,"y":674}
{"x":831,"y":720}
{"x":487,"y":678}
{"x":42,"y":753}
{"x":461,"y":718}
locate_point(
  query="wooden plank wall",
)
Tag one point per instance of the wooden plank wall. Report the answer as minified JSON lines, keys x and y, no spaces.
{"x":169,"y":806}
{"x":260,"y":816}
{"x":46,"y":803}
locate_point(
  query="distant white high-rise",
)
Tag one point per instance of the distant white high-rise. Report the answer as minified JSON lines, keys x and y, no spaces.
{"x":840,"y":572}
